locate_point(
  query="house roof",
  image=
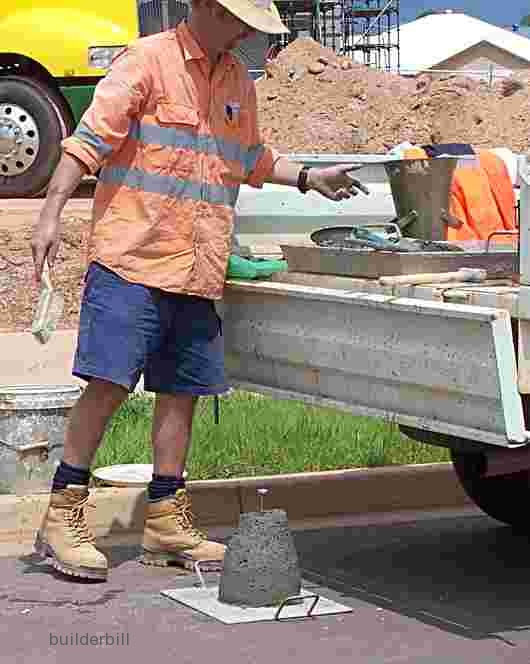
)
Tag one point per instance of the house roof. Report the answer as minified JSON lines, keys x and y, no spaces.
{"x":432,"y":39}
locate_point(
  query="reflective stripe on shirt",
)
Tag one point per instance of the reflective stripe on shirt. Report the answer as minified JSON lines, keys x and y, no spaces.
{"x":170,"y":186}
{"x":190,"y":140}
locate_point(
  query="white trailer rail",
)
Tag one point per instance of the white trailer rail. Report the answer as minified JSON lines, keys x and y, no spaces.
{"x":436,"y":366}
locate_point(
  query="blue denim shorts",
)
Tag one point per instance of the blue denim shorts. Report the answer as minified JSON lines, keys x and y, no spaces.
{"x":126,"y":330}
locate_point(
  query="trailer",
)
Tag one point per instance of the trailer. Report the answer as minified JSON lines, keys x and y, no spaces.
{"x":448,"y":363}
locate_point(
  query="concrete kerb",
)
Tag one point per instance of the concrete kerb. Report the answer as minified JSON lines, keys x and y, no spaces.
{"x":311,"y":500}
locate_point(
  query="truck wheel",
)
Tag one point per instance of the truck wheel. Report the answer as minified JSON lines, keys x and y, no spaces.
{"x":31,"y":130}
{"x":503,"y":497}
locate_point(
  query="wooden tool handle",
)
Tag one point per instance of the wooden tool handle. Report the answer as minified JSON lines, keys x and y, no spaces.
{"x":464,"y":274}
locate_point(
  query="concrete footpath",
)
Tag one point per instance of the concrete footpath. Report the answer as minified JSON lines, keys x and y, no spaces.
{"x":24,"y":361}
{"x":433,"y":588}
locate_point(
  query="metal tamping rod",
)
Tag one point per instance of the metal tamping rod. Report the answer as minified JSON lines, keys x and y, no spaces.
{"x":262,"y":493}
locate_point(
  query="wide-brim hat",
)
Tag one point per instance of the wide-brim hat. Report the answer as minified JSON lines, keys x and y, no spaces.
{"x":262,"y":15}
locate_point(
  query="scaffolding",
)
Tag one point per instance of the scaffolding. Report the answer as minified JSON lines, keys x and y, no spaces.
{"x":331,"y":25}
{"x":367,"y":30}
{"x":300,"y":16}
{"x":371,"y":32}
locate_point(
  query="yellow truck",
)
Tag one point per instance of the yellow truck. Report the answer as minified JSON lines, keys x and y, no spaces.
{"x":52,"y":54}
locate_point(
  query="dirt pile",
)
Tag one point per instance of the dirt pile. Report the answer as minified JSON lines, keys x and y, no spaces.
{"x":312,"y":100}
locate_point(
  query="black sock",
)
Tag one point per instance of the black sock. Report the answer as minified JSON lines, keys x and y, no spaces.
{"x":67,"y":474}
{"x":164,"y":486}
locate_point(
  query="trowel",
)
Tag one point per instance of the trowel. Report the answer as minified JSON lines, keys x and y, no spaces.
{"x":388,"y":238}
{"x":49,"y":309}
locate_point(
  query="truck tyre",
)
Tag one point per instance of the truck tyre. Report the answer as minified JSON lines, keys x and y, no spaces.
{"x":503,"y":497}
{"x":31,"y":131}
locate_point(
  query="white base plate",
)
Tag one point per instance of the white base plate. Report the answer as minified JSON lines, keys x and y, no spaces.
{"x":126,"y":474}
{"x":206,"y":601}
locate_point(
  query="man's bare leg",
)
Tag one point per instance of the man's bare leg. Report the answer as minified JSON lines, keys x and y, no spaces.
{"x":172,"y":424}
{"x":169,"y":534}
{"x":88,"y":420}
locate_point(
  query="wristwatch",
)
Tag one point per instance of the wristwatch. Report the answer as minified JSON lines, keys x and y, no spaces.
{"x":302,"y":179}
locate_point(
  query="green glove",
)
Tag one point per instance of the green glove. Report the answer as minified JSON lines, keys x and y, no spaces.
{"x":253,"y":268}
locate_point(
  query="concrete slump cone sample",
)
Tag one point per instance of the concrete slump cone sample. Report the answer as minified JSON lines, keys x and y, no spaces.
{"x":261,"y":564}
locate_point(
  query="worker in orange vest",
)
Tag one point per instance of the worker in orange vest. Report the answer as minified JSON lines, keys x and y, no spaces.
{"x":173,"y":130}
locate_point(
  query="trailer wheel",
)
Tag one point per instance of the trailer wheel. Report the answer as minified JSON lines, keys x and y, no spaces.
{"x":503,"y":497}
{"x":31,"y":130}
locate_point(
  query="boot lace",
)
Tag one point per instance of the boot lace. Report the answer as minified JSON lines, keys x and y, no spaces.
{"x":75,"y":518}
{"x":184,"y":515}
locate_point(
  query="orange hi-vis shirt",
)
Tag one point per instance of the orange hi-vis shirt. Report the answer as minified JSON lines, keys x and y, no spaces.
{"x":175,"y":138}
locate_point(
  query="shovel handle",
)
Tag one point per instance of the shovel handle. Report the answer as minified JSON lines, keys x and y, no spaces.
{"x":464,"y":274}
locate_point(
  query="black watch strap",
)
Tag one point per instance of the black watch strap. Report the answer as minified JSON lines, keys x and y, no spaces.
{"x":302,"y":179}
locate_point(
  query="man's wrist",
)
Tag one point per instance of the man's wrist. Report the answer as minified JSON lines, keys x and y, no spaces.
{"x":303,"y":182}
{"x":311,"y":175}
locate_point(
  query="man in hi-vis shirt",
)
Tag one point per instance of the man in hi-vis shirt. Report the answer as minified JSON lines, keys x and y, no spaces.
{"x":172,"y":131}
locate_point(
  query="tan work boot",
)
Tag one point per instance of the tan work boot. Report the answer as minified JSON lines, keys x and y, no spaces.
{"x":169,"y":536}
{"x":65,"y":538}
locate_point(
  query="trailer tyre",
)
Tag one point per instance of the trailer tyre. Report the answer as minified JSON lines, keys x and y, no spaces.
{"x":503,"y":497}
{"x":31,"y":130}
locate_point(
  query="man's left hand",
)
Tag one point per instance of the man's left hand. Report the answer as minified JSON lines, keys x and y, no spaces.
{"x":335,"y":182}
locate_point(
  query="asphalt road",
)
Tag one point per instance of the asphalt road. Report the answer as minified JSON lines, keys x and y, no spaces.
{"x":431,"y":591}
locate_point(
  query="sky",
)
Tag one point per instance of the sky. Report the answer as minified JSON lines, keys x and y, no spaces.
{"x":500,"y":13}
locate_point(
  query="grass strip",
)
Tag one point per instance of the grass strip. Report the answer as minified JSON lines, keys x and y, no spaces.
{"x":264,"y":436}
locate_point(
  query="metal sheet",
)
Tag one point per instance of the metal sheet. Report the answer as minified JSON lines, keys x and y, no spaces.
{"x":205,"y":600}
{"x":305,"y":257}
{"x":432,"y":365}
